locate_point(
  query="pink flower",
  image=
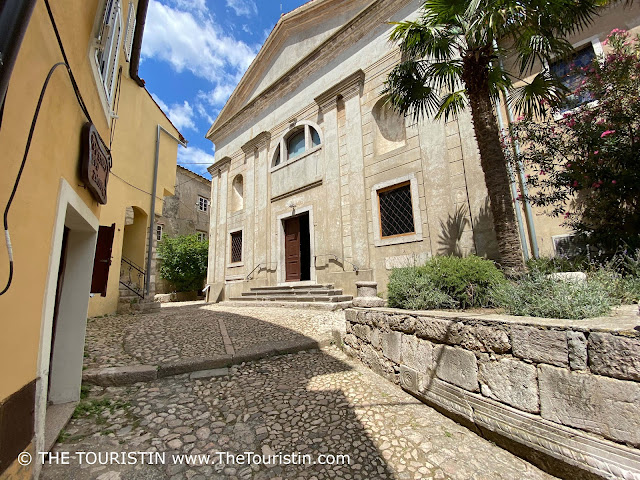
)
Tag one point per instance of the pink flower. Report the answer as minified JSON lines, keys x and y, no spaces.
{"x":607,"y":132}
{"x":596,"y":152}
{"x":614,"y":182}
{"x":575,"y":183}
{"x":568,"y":165}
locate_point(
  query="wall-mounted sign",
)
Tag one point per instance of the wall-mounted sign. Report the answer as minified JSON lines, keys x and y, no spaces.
{"x":96,"y":163}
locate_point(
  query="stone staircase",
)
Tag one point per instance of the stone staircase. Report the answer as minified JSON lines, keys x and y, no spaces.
{"x":314,"y":295}
{"x":129,"y":302}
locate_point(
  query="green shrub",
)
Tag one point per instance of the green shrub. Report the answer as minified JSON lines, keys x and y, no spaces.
{"x":445,"y":282}
{"x":538,"y":295}
{"x":622,"y":289}
{"x":469,"y":280}
{"x":184,"y":261}
{"x":409,"y":288}
{"x":548,"y":265}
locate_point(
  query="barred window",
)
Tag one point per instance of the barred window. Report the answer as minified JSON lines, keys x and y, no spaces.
{"x":396,"y":210}
{"x":236,"y":247}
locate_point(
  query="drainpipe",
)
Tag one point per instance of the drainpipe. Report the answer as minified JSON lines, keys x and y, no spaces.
{"x":514,"y":192}
{"x":525,"y":192}
{"x":152,"y":214}
{"x":14,"y":19}
{"x":136,"y":47}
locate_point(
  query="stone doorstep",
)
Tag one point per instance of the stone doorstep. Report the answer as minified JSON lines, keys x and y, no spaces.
{"x":128,"y":375}
{"x":328,"y":306}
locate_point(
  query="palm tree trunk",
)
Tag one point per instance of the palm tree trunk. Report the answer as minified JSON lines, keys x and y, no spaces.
{"x":494,"y":164}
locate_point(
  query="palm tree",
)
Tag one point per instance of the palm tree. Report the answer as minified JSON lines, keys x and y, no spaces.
{"x":451,"y":60}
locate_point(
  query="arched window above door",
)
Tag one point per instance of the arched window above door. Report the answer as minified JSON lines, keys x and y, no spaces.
{"x":301,"y":139}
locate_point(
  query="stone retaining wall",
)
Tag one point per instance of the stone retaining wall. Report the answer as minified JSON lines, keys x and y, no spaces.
{"x":568,"y":390}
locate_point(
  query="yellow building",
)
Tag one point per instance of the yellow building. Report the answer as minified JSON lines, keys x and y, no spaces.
{"x":59,"y":205}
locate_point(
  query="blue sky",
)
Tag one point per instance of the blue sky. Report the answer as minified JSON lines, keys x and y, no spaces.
{"x":194,"y":52}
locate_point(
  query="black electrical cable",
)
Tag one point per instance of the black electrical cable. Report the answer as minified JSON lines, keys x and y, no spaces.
{"x":83,"y":107}
{"x":24,"y":161}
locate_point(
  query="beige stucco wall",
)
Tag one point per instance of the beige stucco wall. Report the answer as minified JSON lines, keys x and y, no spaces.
{"x":335,"y":182}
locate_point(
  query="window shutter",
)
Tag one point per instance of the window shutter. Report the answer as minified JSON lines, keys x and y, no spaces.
{"x":131,"y":26}
{"x":113,"y":63}
{"x":102,"y":260}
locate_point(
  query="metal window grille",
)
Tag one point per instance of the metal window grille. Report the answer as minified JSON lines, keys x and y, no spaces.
{"x":396,"y":211}
{"x":236,"y":247}
{"x":203,"y":204}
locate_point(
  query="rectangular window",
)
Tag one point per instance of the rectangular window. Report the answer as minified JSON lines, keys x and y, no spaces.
{"x":569,"y":73}
{"x":203,"y":204}
{"x":396,"y":210}
{"x":236,"y":247}
{"x":202,"y":236}
{"x":158,"y":232}
{"x":108,"y":47}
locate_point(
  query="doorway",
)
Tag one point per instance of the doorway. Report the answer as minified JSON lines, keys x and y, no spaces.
{"x":297,"y":248}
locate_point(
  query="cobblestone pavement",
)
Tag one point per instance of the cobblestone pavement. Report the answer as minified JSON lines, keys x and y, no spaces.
{"x":311,"y":403}
{"x":193,"y":330}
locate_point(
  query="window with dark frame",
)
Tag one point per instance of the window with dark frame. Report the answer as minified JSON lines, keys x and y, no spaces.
{"x":202,"y":236}
{"x":396,"y":210}
{"x":159,"y":232}
{"x":571,"y":74}
{"x":236,"y":247}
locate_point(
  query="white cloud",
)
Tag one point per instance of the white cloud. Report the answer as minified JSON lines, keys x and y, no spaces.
{"x":196,"y":160}
{"x":243,"y":7}
{"x":182,"y":116}
{"x":194,"y":43}
{"x":218,"y":96}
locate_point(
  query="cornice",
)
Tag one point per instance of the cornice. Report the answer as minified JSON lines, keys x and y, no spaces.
{"x":371,"y":17}
{"x":346,"y":88}
{"x":259,"y":141}
{"x":220,"y":165}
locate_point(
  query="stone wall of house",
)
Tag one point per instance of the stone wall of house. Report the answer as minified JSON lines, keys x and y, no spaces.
{"x":568,"y":390}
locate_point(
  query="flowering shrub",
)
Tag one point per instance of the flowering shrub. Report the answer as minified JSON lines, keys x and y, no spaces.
{"x":585,"y":167}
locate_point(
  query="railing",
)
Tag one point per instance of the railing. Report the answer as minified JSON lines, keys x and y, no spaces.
{"x":249,"y":277}
{"x":337,"y":259}
{"x":132,"y":277}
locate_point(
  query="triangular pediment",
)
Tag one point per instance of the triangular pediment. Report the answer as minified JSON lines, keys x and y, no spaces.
{"x":296,"y":36}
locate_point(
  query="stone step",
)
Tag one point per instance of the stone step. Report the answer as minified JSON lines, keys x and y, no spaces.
{"x":293,"y":298}
{"x":307,"y":293}
{"x":293,"y":287}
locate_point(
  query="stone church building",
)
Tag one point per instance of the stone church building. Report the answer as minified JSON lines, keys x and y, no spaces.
{"x":317,"y":181}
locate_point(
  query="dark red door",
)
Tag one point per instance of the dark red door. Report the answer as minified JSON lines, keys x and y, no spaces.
{"x":292,"y":249}
{"x":102,"y":260}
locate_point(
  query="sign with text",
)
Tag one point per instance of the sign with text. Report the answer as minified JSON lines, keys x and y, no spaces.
{"x":96,"y":163}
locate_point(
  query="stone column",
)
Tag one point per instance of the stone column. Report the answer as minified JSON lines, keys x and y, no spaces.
{"x":351,"y":93}
{"x":213,"y":225}
{"x":221,"y":222}
{"x":329,"y":237}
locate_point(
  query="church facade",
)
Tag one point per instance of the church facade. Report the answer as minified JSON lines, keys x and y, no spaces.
{"x":317,"y":180}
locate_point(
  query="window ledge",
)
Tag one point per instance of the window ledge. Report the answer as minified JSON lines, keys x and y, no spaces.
{"x":560,"y":115}
{"x":384,"y":242}
{"x":299,"y":157}
{"x":234,"y":265}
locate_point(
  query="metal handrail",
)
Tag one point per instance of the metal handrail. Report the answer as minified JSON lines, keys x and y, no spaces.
{"x":254,"y":269}
{"x":337,"y":259}
{"x":135,"y":287}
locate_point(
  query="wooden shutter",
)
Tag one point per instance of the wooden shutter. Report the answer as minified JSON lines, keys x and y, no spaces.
{"x":102,"y":260}
{"x":131,"y":26}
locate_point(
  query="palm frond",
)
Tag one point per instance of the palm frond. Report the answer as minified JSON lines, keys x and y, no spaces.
{"x":418,"y":40}
{"x":444,"y":75}
{"x":534,"y":98}
{"x":409,"y":92}
{"x":451,"y":105}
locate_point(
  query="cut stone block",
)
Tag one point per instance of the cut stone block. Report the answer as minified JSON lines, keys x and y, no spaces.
{"x":511,"y":381}
{"x":614,"y":356}
{"x":417,"y":353}
{"x":597,"y":404}
{"x":392,"y":346}
{"x":540,"y":345}
{"x":480,"y":338}
{"x":434,"y":329}
{"x":204,"y":374}
{"x":117,"y":376}
{"x":577,"y":345}
{"x":457,"y":366}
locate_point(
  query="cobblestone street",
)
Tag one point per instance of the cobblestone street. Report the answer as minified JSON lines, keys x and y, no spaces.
{"x":317,"y":402}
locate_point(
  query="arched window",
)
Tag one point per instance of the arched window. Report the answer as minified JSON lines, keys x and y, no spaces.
{"x":237,"y":192}
{"x":297,"y":141}
{"x":295,"y":144}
